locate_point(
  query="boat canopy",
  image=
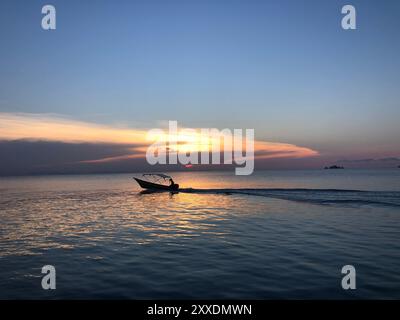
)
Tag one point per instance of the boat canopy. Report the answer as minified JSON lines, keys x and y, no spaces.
{"x":157,"y":177}
{"x":161,"y":175}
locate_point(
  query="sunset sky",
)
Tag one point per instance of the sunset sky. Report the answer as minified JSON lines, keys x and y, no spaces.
{"x":91,"y":89}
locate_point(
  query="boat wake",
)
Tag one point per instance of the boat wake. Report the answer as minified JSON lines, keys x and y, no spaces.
{"x":316,"y":196}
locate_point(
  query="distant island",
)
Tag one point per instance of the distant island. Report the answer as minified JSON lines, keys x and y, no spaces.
{"x":335,"y":167}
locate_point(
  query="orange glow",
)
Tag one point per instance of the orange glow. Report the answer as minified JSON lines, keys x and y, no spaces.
{"x":268,"y":150}
{"x":51,"y":128}
{"x":35,"y":127}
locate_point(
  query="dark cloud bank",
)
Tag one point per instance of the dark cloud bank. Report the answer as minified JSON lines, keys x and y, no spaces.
{"x":23,"y":157}
{"x":42,"y":157}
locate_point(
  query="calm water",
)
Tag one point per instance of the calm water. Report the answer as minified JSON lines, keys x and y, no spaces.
{"x":263,"y":236}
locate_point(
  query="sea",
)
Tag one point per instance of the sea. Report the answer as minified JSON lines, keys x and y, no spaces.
{"x":271,"y":235}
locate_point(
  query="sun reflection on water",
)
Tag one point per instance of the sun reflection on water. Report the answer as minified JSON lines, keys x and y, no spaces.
{"x":58,"y":219}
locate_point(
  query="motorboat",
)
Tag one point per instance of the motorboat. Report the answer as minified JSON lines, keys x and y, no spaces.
{"x":157,"y":181}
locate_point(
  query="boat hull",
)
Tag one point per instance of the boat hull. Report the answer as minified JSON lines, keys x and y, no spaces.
{"x":155,"y":186}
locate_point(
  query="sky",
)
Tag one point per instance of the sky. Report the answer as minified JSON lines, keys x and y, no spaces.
{"x":283,"y":68}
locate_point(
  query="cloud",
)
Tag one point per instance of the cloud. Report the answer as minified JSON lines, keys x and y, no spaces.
{"x":268,"y":150}
{"x":22,"y":157}
{"x":50,"y":128}
{"x":37,"y":143}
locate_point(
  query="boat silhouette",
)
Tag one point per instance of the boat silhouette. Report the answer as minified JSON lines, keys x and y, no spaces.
{"x":157,"y":181}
